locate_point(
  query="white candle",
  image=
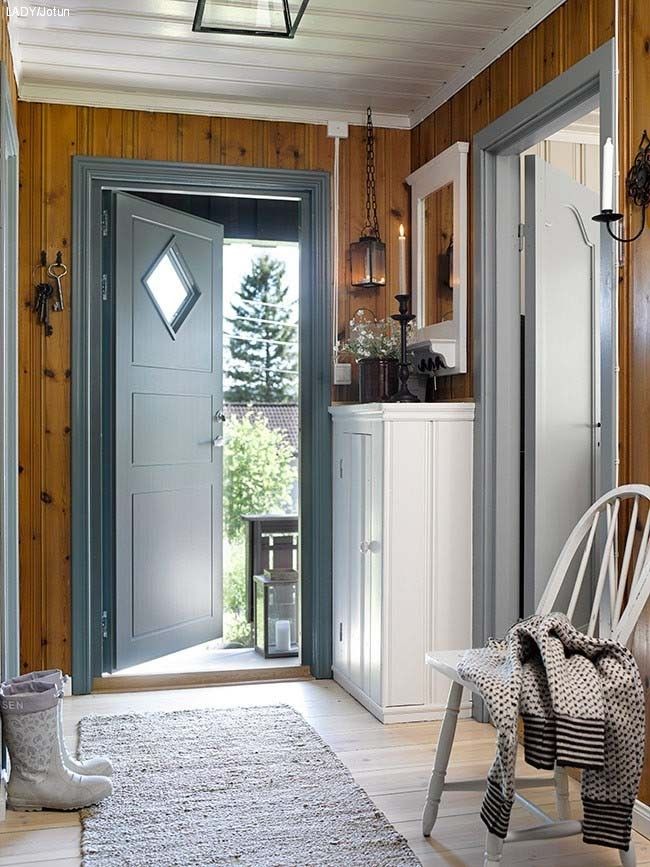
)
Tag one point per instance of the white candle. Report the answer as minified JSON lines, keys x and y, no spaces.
{"x":283,"y":636}
{"x":607,"y":190}
{"x":402,"y":261}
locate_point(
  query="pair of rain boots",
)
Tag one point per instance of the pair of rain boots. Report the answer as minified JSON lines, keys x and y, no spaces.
{"x":44,"y":776}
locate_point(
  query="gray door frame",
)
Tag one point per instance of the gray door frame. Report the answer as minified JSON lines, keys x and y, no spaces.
{"x":9,"y":586}
{"x":497,"y":335}
{"x":92,"y":176}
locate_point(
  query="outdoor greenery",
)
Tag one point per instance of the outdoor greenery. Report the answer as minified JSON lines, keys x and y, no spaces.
{"x":259,"y":474}
{"x":263,"y":365}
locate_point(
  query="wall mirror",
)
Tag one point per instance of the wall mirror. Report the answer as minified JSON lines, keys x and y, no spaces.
{"x":439,"y":262}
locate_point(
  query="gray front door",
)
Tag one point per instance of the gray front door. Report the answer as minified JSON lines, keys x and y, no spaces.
{"x":168,"y":463}
{"x":562,"y":377}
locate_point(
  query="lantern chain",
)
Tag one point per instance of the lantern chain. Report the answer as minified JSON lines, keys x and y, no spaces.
{"x":371,"y":227}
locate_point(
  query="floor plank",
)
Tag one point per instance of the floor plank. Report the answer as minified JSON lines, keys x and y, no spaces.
{"x":392,"y":763}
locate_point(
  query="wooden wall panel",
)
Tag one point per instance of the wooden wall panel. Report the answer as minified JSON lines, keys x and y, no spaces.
{"x":574,"y":30}
{"x":49,"y":137}
{"x":634,"y":306}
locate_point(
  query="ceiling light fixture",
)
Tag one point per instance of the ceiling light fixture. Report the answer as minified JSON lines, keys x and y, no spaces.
{"x":279,"y":18}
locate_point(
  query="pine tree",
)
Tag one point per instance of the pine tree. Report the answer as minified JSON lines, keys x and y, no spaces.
{"x":263,"y":363}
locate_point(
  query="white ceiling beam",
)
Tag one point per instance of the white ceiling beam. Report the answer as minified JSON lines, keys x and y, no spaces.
{"x":61,"y":94}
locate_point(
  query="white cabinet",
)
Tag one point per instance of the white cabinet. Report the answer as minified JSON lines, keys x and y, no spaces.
{"x":402,"y":559}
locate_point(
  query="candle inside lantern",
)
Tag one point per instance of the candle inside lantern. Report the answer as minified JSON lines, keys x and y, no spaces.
{"x":607,"y":191}
{"x":402,"y":261}
{"x":283,"y":636}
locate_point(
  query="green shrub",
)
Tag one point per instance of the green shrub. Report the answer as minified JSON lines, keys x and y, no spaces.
{"x":259,"y":472}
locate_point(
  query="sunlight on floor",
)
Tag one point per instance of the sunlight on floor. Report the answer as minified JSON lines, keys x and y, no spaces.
{"x":208,"y":657}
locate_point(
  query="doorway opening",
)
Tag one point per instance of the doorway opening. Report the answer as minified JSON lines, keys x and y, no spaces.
{"x":543,"y":388}
{"x":560,"y":377}
{"x":250,"y":617}
{"x":203,"y":450}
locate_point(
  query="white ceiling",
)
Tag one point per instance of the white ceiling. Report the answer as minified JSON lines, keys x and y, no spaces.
{"x":403,"y":57}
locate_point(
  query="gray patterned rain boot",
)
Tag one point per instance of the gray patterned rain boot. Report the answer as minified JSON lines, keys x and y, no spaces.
{"x":39,"y":780}
{"x":97,"y":766}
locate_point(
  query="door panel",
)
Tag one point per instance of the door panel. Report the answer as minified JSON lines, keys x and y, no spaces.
{"x":167,"y":428}
{"x":168,"y":486}
{"x":172,"y":532}
{"x":192,"y":346}
{"x":561,"y":403}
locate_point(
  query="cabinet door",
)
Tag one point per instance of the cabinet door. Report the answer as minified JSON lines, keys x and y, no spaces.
{"x":353,"y":556}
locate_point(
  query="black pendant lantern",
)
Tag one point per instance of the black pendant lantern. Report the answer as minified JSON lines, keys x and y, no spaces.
{"x":368,"y":254}
{"x":278,"y":18}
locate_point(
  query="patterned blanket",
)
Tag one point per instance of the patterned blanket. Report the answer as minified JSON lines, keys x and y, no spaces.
{"x":582,"y":705}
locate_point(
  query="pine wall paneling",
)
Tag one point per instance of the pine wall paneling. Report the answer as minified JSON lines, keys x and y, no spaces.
{"x":634,"y":294}
{"x":569,"y":34}
{"x":50,"y":135}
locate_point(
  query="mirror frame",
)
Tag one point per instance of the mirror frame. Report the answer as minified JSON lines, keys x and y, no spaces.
{"x":446,"y":341}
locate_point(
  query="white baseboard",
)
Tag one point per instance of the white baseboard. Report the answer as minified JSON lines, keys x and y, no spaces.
{"x":401,"y":714}
{"x":641,"y":819}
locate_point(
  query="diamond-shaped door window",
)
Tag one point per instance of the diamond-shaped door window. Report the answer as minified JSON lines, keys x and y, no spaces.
{"x":171,"y":287}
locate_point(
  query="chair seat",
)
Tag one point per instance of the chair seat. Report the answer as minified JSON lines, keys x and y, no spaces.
{"x":446,"y":662}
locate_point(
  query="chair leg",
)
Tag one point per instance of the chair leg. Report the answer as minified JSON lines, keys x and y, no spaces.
{"x":493,"y":849}
{"x":562,"y":794}
{"x":443,"y":751}
{"x":628,"y":859}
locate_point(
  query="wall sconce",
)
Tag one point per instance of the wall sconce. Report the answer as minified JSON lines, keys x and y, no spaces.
{"x":368,"y":254}
{"x":637,"y":186}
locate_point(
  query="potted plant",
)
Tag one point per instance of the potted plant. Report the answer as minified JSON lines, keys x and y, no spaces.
{"x":375,"y":346}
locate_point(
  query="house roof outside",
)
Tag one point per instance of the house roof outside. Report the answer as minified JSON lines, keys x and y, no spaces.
{"x":281,"y":417}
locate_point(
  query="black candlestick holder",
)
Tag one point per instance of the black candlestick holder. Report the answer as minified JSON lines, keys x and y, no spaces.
{"x":403,"y":317}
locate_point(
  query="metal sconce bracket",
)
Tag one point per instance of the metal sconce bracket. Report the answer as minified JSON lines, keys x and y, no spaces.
{"x":637,"y":186}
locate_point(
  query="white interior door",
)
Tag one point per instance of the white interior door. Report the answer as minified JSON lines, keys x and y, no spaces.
{"x":561,"y":369}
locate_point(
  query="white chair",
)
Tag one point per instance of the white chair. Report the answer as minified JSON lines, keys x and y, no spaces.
{"x":621,"y":590}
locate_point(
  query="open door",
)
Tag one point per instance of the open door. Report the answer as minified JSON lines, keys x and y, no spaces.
{"x":168,"y":430}
{"x":562,"y":376}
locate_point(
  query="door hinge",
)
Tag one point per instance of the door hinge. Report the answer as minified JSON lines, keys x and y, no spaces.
{"x":104,"y":625}
{"x":341,"y":631}
{"x":105,"y":223}
{"x":104,"y":287}
{"x":521,"y":236}
{"x":341,"y":468}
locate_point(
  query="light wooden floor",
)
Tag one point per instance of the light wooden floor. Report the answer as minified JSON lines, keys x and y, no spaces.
{"x":391,"y":762}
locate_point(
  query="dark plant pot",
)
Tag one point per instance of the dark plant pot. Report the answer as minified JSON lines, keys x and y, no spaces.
{"x":378,"y":379}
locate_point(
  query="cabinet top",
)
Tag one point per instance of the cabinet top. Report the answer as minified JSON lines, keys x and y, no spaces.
{"x":457,"y":411}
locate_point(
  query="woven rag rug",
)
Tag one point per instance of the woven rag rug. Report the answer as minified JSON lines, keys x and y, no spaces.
{"x":250,"y":786}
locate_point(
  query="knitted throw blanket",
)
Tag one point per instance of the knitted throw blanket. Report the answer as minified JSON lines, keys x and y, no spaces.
{"x":582,"y":705}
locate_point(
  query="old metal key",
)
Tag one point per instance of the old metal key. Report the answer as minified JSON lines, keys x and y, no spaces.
{"x":58,"y":270}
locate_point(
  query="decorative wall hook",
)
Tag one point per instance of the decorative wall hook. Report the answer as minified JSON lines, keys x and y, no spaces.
{"x":637,"y":187}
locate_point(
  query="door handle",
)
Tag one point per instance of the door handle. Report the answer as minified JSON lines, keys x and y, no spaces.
{"x":219,"y":415}
{"x":218,"y":441}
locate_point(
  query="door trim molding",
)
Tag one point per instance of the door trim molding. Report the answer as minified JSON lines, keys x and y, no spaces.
{"x":91,"y":176}
{"x":9,"y":571}
{"x":497,"y":338}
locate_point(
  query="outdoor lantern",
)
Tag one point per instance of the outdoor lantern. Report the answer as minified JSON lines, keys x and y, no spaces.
{"x":276,"y":613}
{"x":368,"y":254}
{"x":256,"y":18}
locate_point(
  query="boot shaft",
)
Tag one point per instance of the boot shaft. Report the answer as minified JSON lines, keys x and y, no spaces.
{"x":29,"y":722}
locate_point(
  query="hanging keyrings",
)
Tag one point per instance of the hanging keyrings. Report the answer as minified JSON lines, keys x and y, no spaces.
{"x":57,"y":271}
